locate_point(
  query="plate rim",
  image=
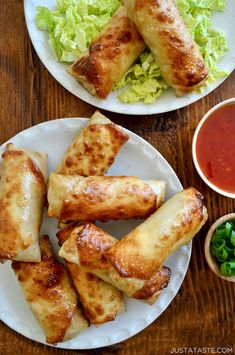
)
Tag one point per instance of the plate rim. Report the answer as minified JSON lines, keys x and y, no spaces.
{"x":63,"y":345}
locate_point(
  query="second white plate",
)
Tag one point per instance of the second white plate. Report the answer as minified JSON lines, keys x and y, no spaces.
{"x":138,"y":158}
{"x":167,"y":102}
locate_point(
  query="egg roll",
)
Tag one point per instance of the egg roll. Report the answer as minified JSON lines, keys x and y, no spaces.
{"x":147,"y":247}
{"x":86,"y":247}
{"x":166,"y":34}
{"x":104,"y":198}
{"x":94,"y":148}
{"x":22,"y":197}
{"x":50,"y":295}
{"x":110,"y":55}
{"x":101,"y":301}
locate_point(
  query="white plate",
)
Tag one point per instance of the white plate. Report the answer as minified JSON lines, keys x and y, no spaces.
{"x":167,"y":102}
{"x":137,"y":157}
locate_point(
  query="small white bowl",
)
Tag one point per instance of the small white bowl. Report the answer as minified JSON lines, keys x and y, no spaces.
{"x":212,"y":186}
{"x":209,"y":257}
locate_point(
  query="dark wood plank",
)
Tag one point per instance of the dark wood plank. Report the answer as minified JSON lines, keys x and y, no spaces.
{"x":203,"y":312}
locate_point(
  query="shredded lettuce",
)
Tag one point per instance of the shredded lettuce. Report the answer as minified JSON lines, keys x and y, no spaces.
{"x":145,"y":79}
{"x":76,"y":23}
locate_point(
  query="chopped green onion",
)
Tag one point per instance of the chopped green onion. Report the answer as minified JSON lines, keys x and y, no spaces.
{"x":223,"y":247}
{"x":222,"y":255}
{"x":232,"y":239}
{"x":218,"y":243}
{"x":228,"y":268}
{"x":228,"y":229}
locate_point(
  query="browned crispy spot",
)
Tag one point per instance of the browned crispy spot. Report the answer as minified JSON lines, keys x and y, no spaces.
{"x":92,"y":242}
{"x":13,"y":154}
{"x":124,"y":36}
{"x":36,"y":172}
{"x":139,"y":4}
{"x":54,"y":276}
{"x":64,"y":233}
{"x":69,"y":162}
{"x":158,"y":281}
{"x":165,"y":17}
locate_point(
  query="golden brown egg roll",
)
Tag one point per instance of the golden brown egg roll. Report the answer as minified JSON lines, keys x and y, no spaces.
{"x":110,"y":55}
{"x":50,"y":295}
{"x":101,"y":301}
{"x":146,"y":248}
{"x":86,"y":247}
{"x":91,"y":153}
{"x":94,"y":148}
{"x":22,"y":197}
{"x":164,"y":31}
{"x":102,"y":198}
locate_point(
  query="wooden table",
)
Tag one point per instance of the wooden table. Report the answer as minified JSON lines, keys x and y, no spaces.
{"x":203,"y":312}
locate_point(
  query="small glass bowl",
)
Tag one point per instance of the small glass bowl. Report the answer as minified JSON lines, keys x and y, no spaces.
{"x":197,"y":166}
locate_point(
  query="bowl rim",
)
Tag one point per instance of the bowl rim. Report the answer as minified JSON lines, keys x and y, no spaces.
{"x":209,"y":257}
{"x":194,"y":155}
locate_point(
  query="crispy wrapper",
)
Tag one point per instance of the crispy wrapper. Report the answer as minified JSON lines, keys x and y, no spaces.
{"x":22,"y":198}
{"x":94,"y":148}
{"x":86,"y":247}
{"x":101,"y":301}
{"x":103,"y":198}
{"x":50,"y":295}
{"x":146,"y":248}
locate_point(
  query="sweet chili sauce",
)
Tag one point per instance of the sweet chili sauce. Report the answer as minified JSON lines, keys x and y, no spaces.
{"x":215,"y":148}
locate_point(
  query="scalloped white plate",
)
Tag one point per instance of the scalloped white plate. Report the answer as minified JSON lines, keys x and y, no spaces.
{"x":137,"y":157}
{"x":167,"y":102}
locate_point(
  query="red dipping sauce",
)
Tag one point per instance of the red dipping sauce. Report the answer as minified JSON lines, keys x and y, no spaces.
{"x":215,"y":148}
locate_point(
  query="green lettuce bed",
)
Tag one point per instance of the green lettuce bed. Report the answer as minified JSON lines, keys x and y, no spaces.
{"x":76,"y":23}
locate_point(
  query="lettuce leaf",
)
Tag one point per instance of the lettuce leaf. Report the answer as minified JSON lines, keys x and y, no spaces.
{"x":145,"y":81}
{"x":74,"y":24}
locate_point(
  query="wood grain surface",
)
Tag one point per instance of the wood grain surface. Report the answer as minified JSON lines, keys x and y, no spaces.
{"x":203,"y":312}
